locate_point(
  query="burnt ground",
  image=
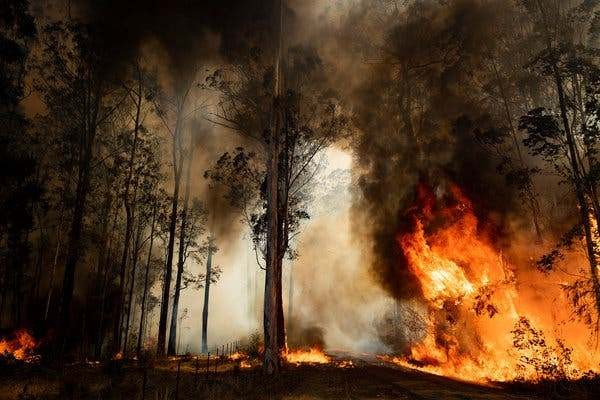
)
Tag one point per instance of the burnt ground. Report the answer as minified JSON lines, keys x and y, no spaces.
{"x":364,"y":380}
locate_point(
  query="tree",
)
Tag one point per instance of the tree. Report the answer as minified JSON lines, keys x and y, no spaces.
{"x":565,"y":134}
{"x":269,"y":183}
{"x":22,"y":189}
{"x":75,"y":84}
{"x":211,"y":275}
{"x":141,"y":92}
{"x":188,"y":232}
{"x":171,"y":111}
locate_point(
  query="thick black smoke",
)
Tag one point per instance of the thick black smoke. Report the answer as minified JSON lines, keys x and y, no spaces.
{"x":417,"y":111}
{"x":185,"y":29}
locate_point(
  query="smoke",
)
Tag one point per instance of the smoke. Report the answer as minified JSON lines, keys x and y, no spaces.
{"x":416,"y":110}
{"x":413,"y":87}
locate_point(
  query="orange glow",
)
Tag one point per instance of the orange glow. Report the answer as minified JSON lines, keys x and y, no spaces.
{"x":118,"y":356}
{"x":238,"y":356}
{"x":310,"y":356}
{"x":474,"y":300}
{"x":21,"y":346}
{"x":345,"y":364}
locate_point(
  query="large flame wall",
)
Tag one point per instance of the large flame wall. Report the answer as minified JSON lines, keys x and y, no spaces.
{"x":486,"y":316}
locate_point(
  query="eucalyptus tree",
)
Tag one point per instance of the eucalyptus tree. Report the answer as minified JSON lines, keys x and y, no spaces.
{"x":312,"y":118}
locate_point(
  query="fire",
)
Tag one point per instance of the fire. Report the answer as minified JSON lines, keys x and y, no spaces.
{"x":473,"y":299}
{"x":21,"y":346}
{"x":310,"y":356}
{"x":237,"y":356}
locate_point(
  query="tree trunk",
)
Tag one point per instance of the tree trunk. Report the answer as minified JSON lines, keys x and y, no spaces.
{"x":206,"y":297}
{"x":134,"y":263}
{"x":164,"y":306}
{"x":145,"y":293}
{"x":172,"y":346}
{"x":129,"y":216}
{"x":272,"y":357}
{"x":105,"y":280}
{"x":74,"y":241}
{"x":290,"y":300}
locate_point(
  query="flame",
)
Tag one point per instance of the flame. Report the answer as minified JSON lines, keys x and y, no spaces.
{"x":473,"y":298}
{"x":310,"y":356}
{"x":237,"y":356}
{"x":21,"y":345}
{"x":345,"y":364}
{"x":118,"y":356}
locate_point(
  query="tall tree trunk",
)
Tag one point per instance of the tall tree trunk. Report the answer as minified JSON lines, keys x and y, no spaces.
{"x":129,"y":215}
{"x":164,"y":306}
{"x":272,"y":356}
{"x":134,"y":263}
{"x":290,"y":301}
{"x":74,"y":241}
{"x":105,"y":280}
{"x":206,"y":296}
{"x":145,"y":293}
{"x":172,"y":346}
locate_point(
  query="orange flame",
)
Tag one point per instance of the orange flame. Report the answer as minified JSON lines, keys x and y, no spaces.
{"x":310,"y":356}
{"x":473,"y":298}
{"x":237,"y":356}
{"x":21,"y":346}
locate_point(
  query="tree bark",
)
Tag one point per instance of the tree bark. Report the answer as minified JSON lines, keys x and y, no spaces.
{"x":134,"y":263}
{"x":207,"y":279}
{"x":172,"y":345}
{"x":164,"y":306}
{"x":129,"y":216}
{"x":75,"y":231}
{"x":271,"y":361}
{"x":145,"y":293}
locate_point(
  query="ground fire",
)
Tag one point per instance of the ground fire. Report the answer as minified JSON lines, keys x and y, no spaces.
{"x":312,"y":355}
{"x":480,"y":323}
{"x":20,"y":345}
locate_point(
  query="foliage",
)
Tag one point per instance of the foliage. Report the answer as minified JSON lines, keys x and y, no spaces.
{"x":538,"y":356}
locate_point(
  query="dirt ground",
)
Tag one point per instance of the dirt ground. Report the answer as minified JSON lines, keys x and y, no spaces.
{"x":364,"y":380}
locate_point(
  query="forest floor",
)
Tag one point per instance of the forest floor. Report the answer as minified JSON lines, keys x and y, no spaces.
{"x":338,"y":380}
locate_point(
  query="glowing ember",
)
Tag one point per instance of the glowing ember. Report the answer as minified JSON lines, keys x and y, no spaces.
{"x":345,"y":364}
{"x":118,"y":356}
{"x":237,"y":356}
{"x":21,"y":345}
{"x":244,"y":364}
{"x":310,"y":356}
{"x":480,"y":320}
